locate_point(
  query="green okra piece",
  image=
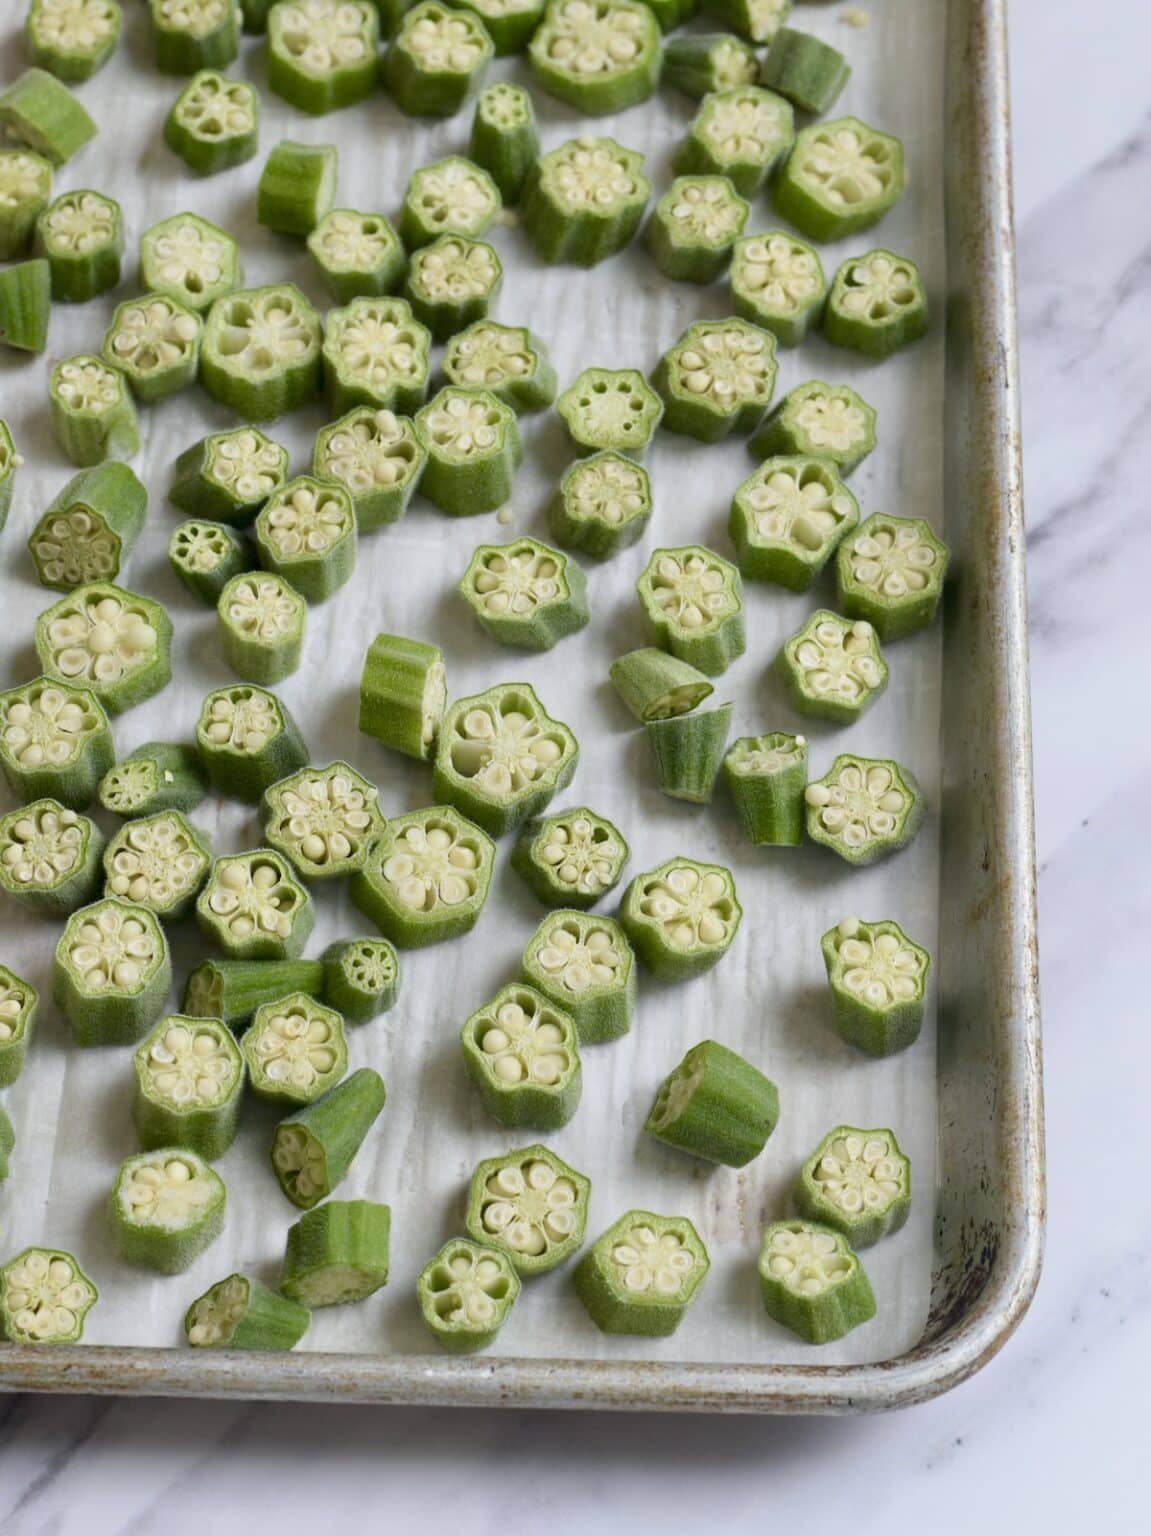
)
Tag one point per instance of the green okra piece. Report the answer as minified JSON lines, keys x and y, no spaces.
{"x":376,"y":353}
{"x":241,"y":1313}
{"x":742,"y":133}
{"x":688,"y":750}
{"x":611,"y":408}
{"x":656,"y":686}
{"x":507,"y":360}
{"x":189,"y":35}
{"x":306,"y":535}
{"x":777,"y":281}
{"x":585,"y":201}
{"x":323,"y":820}
{"x":505,"y":139}
{"x":878,"y":980}
{"x":525,"y":594}
{"x":602,"y":504}
{"x":167,"y":1207}
{"x":864,"y":808}
{"x":10,"y":462}
{"x":72,"y":38}
{"x":40,"y":111}
{"x":583,"y":963}
{"x":19,"y":1002}
{"x":313,"y":1149}
{"x":25,"y":187}
{"x":522,"y":1053}
{"x":111,"y":973}
{"x":50,"y":858}
{"x":693,"y":604}
{"x":358,"y":255}
{"x":833,"y":667}
{"x":877,"y":304}
{"x":465,"y":1294}
{"x":81,"y":237}
{"x":694,"y":227}
{"x":756,"y":20}
{"x":858,"y":1182}
{"x":205,"y":557}
{"x":787,"y":519}
{"x":361,"y":978}
{"x":254,"y":909}
{"x":297,"y":187}
{"x":214,"y":123}
{"x":295,"y":1050}
{"x":159,"y":862}
{"x":501,"y":757}
{"x":377,"y":458}
{"x":890,"y":572}
{"x":337,"y":1253}
{"x":228,"y":476}
{"x":254,"y":15}
{"x":7,"y":1141}
{"x":472,"y":441}
{"x":189,"y":1084}
{"x":717,"y":379}
{"x":452,"y":283}
{"x":158,"y":776}
{"x":426,"y":878}
{"x":828,"y":421}
{"x":530,"y":1206}
{"x":436,"y":58}
{"x":44,"y":1297}
{"x":812,"y":1283}
{"x":92,"y":411}
{"x":90,"y":528}
{"x":509,"y":23}
{"x":155,"y":341}
{"x":232,"y":990}
{"x":55,"y":742}
{"x":190,"y":260}
{"x":570,"y":858}
{"x":113,"y":642}
{"x":807,"y":71}
{"x":681,"y":917}
{"x":699,"y":63}
{"x":324,"y":55}
{"x":260,"y":354}
{"x":247,"y":740}
{"x":641,"y":1276}
{"x":840,"y":178}
{"x":452,"y":196}
{"x":403,"y":694}
{"x":600,"y":56}
{"x":766,"y":777}
{"x":716,"y":1106}
{"x":25,"y":301}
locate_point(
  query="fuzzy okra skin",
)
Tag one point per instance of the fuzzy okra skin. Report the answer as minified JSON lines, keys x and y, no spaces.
{"x":742,"y":133}
{"x":206,"y":556}
{"x":313,"y":1149}
{"x":188,"y":37}
{"x":376,"y":353}
{"x":692,"y":600}
{"x":254,"y":909}
{"x":81,"y":237}
{"x":465,"y":1294}
{"x":232,"y":990}
{"x":377,"y":458}
{"x":426,"y":877}
{"x":716,"y":1106}
{"x":306,"y":535}
{"x":699,"y":63}
{"x":788,"y":518}
{"x":717,"y":379}
{"x":585,"y":201}
{"x":777,"y":281}
{"x":295,"y":1050}
{"x":337,"y":1253}
{"x":111,"y":972}
{"x":611,"y":409}
{"x":641,"y":1276}
{"x":878,"y":978}
{"x":505,"y":140}
{"x":681,"y":917}
{"x":688,"y":750}
{"x":508,"y":360}
{"x":833,"y":667}
{"x":113,"y":642}
{"x":472,"y":441}
{"x":159,"y":862}
{"x":599,"y":57}
{"x":190,"y":260}
{"x":247,"y":740}
{"x":40,"y":111}
{"x":840,"y":178}
{"x":694,"y":227}
{"x":19,"y":1002}
{"x":55,"y":741}
{"x":857,"y":1181}
{"x":805,"y":70}
{"x":403,"y":694}
{"x":189,"y":1084}
{"x":155,"y":342}
{"x":44,"y":1297}
{"x":361,"y":978}
{"x":452,"y":283}
{"x":358,"y":255}
{"x":50,"y":858}
{"x":25,"y":300}
{"x":570,"y":858}
{"x":240,"y":1313}
{"x":529,"y":1205}
{"x":525,"y":594}
{"x":864,"y":808}
{"x":829,"y":421}
{"x":656,"y":686}
{"x":167,"y":1208}
{"x":323,"y":820}
{"x":92,"y":411}
{"x":214,"y":123}
{"x":584,"y":964}
{"x":323,"y":54}
{"x":72,"y":39}
{"x":25,"y":187}
{"x":260,"y":354}
{"x":435,"y":60}
{"x":890,"y":572}
{"x":522,"y":1053}
{"x":602,"y":504}
{"x":766,"y":778}
{"x":812,"y":1283}
{"x":228,"y":476}
{"x":877,"y":304}
{"x":158,"y":776}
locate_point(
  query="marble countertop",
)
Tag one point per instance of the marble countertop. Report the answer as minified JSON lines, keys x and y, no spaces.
{"x":1052,"y":1433}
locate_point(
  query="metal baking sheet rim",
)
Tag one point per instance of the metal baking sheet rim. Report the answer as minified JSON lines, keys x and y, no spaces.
{"x":979,"y":1306}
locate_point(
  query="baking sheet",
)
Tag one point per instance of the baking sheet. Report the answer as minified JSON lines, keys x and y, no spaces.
{"x":767,"y":999}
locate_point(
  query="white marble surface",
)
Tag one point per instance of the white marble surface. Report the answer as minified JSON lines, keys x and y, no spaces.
{"x":1052,"y":1435}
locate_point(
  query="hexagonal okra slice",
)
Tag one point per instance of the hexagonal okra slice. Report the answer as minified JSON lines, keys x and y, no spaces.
{"x":756,"y":20}
{"x":111,"y":973}
{"x":681,"y":917}
{"x":92,"y":412}
{"x":766,"y":777}
{"x":167,"y":1208}
{"x":377,"y":458}
{"x":530,"y":1205}
{"x":403,"y":694}
{"x":376,"y":353}
{"x":688,"y":751}
{"x":449,"y":197}
{"x":159,"y":862}
{"x":507,"y":360}
{"x":693,"y":603}
{"x":228,"y":476}
{"x":253,"y":908}
{"x":44,"y":1297}
{"x":206,"y":556}
{"x":522,"y":1053}
{"x":452,"y":283}
{"x":742,"y":133}
{"x":599,"y":56}
{"x":337,"y":1253}
{"x":877,"y":304}
{"x":777,"y":281}
{"x":584,"y":201}
{"x":7,"y":1136}
{"x":261,"y":623}
{"x":656,"y":686}
{"x":435,"y":60}
{"x":295,"y":1050}
{"x":108,"y":640}
{"x":828,"y":421}
{"x":472,"y":441}
{"x":716,"y":1106}
{"x":19,"y":1002}
{"x":878,"y":980}
{"x":570,"y":858}
{"x":214,"y":123}
{"x":72,"y":38}
{"x":858,"y":1182}
{"x":525,"y":594}
{"x":890,"y":572}
{"x":155,"y":340}
{"x":611,"y":408}
{"x":698,"y":63}
{"x":585,"y":965}
{"x":840,"y":178}
{"x":717,"y":379}
{"x":50,"y":857}
{"x":260,"y":355}
{"x":189,"y":1081}
{"x":194,"y":34}
{"x":641,"y":1276}
{"x":81,"y":236}
{"x":833,"y":667}
{"x":787,"y":519}
{"x":190,"y":260}
{"x":864,"y":808}
{"x":361,"y":978}
{"x":25,"y":187}
{"x":694,"y":228}
{"x":323,"y":820}
{"x":504,"y":138}
{"x":158,"y":776}
{"x":232,"y":990}
{"x":602,"y":505}
{"x":808,"y":71}
{"x":323,"y":54}
{"x":306,"y":533}
{"x":812,"y":1283}
{"x":54,"y":741}
{"x":465,"y":1294}
{"x":314,"y":1148}
{"x":509,"y":23}
{"x":357,"y":254}
{"x":41,"y":112}
{"x":426,"y":877}
{"x":241,"y":1313}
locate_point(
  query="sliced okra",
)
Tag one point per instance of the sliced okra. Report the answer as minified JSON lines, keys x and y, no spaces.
{"x":840,"y":178}
{"x":254,"y":15}
{"x":858,"y":1182}
{"x":807,"y":71}
{"x":260,"y":355}
{"x":525,"y":594}
{"x":599,"y":56}
{"x":864,"y":808}
{"x":297,"y":187}
{"x":214,"y":123}
{"x":656,"y":686}
{"x":788,"y":517}
{"x":529,"y":1205}
{"x":717,"y":379}
{"x":7,"y":1136}
{"x":44,"y":1297}
{"x":472,"y":441}
{"x":426,"y":877}
{"x":767,"y":776}
{"x":890,"y":572}
{"x":584,"y":964}
{"x":507,"y":360}
{"x":377,"y":458}
{"x":361,"y":978}
{"x":25,"y":187}
{"x":337,"y":1253}
{"x":641,"y":1276}
{"x":522,"y":1053}
{"x":90,"y":528}
{"x":247,"y":740}
{"x":602,"y":505}
{"x":509,"y":23}
{"x":189,"y":35}
{"x":313,"y":1149}
{"x":323,"y":54}
{"x":189,"y":1083}
{"x":240,"y":1313}
{"x":435,"y":60}
{"x":828,"y":421}
{"x":155,"y":342}
{"x":72,"y":38}
{"x":688,"y":750}
{"x":715,"y":1105}
{"x":699,"y":63}
{"x":295,"y":1050}
{"x":19,"y":1002}
{"x":833,"y":667}
{"x":570,"y":858}
{"x":81,"y":236}
{"x":232,"y":990}
{"x":611,"y":408}
{"x":449,"y":197}
{"x":50,"y":858}
{"x":228,"y":476}
{"x":111,"y":973}
{"x":322,"y":820}
{"x":10,"y":462}
{"x":306,"y":535}
{"x":756,"y":20}
{"x":584,"y":201}
{"x":167,"y":1207}
{"x":681,"y":917}
{"x":159,"y":862}
{"x":742,"y":133}
{"x":93,"y":414}
{"x":40,"y":111}
{"x":403,"y":694}
{"x":114,"y":643}
{"x":812,"y":1283}
{"x":25,"y":301}
{"x":55,"y":742}
{"x":878,"y":980}
{"x":694,"y":227}
{"x":452,"y":283}
{"x":190,"y":260}
{"x":158,"y":776}
{"x":358,"y":255}
{"x":254,"y":909}
{"x":205,"y":557}
{"x":877,"y":304}
{"x":505,"y":140}
{"x":465,"y":1294}
{"x":376,"y":353}
{"x":693,"y":603}
{"x":777,"y":280}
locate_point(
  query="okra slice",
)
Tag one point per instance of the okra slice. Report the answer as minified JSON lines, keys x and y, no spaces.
{"x":890,"y":572}
{"x":361,"y":978}
{"x":694,"y":227}
{"x":25,"y":300}
{"x":840,"y":178}
{"x":681,"y":917}
{"x":358,"y":255}
{"x":306,"y":535}
{"x":322,"y":820}
{"x":452,"y":283}
{"x":167,"y":1207}
{"x":788,"y":517}
{"x":602,"y":505}
{"x":833,"y":667}
{"x":584,"y":201}
{"x":50,"y":858}
{"x":260,"y":355}
{"x":155,"y":341}
{"x":247,"y":740}
{"x":295,"y":1050}
{"x":435,"y":60}
{"x":522,"y":1053}
{"x":403,"y":694}
{"x":717,"y":379}
{"x":742,"y":133}
{"x":426,"y":877}
{"x":158,"y":776}
{"x":767,"y":776}
{"x":688,"y":750}
{"x":240,"y":1313}
{"x":323,"y":54}
{"x":501,"y":757}
{"x":699,"y":63}
{"x":504,"y":139}
{"x":337,"y":1253}
{"x":25,"y":187}
{"x":376,"y":353}
{"x":756,"y":20}
{"x":472,"y":441}
{"x":55,"y":742}
{"x":641,"y":1276}
{"x":214,"y":123}
{"x":611,"y":408}
{"x":72,"y":38}
{"x":693,"y":603}
{"x":715,"y":1105}
{"x":864,"y":808}
{"x":877,"y":304}
{"x":7,"y":1141}
{"x":44,"y":1297}
{"x":92,"y":411}
{"x":81,"y":236}
{"x":159,"y":862}
{"x":111,"y":973}
{"x":828,"y":421}
{"x":297,"y":187}
{"x":465,"y":1294}
{"x":584,"y":964}
{"x":90,"y":528}
{"x":190,"y":260}
{"x":599,"y":56}
{"x":40,"y":111}
{"x":807,"y":71}
{"x":189,"y":1082}
{"x":10,"y":462}
{"x":858,"y":1182}
{"x":228,"y":476}
{"x":525,"y":594}
{"x":878,"y":980}
{"x":530,"y":1206}
{"x":205,"y":556}
{"x":777,"y":280}
{"x":19,"y":1002}
{"x":253,"y":909}
{"x":571,"y":858}
{"x":812,"y":1283}
{"x":189,"y":35}
{"x":377,"y":458}
{"x":509,"y":23}
{"x":656,"y":686}
{"x":232,"y":990}
{"x":312,"y":1150}
{"x":507,"y":360}
{"x":449,"y":197}
{"x":112,"y":642}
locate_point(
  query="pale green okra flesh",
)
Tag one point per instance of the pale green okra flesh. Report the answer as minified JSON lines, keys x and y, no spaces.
{"x":742,"y":133}
{"x":323,"y":820}
{"x":190,"y":35}
{"x":306,"y":535}
{"x":641,"y":1276}
{"x":10,"y":462}
{"x":72,"y":39}
{"x":878,"y":978}
{"x":584,"y":201}
{"x":529,"y":1205}
{"x":807,"y":71}
{"x":361,"y":978}
{"x":377,"y":458}
{"x":788,"y":518}
{"x":247,"y":739}
{"x":509,"y":23}
{"x":241,"y":1313}
{"x":25,"y":187}
{"x":715,"y":1106}
{"x":260,"y":353}
{"x":157,"y":776}
{"x":504,"y":137}
{"x":112,"y":642}
{"x":699,"y":63}
{"x":55,"y":741}
{"x":81,"y":236}
{"x":313,"y":1149}
{"x":695,"y":226}
{"x":778,"y":282}
{"x":756,"y":20}
{"x":864,"y":808}
{"x":602,"y":505}
{"x":692,"y":600}
{"x":507,"y":360}
{"x":426,"y":877}
{"x":155,"y":342}
{"x":521,"y":1051}
{"x":44,"y":1297}
{"x":766,"y":778}
{"x":890,"y":572}
{"x":254,"y":909}
{"x":857,"y":1181}
{"x":525,"y":594}
{"x":25,"y":301}
{"x":228,"y":476}
{"x":214,"y":123}
{"x":473,"y":447}
{"x":357,"y":254}
{"x":877,"y":304}
{"x":436,"y":59}
{"x":19,"y":1003}
{"x":611,"y":409}
{"x":681,"y":917}
{"x":337,"y":1253}
{"x":205,"y":556}
{"x":840,"y":178}
{"x":452,"y":283}
{"x":40,"y":111}
{"x":295,"y":1050}
{"x":189,"y":1084}
{"x":323,"y":54}
{"x":376,"y":353}
{"x":465,"y":1294}
{"x":452,"y":196}
{"x":599,"y":56}
{"x":584,"y":964}
{"x":50,"y":858}
{"x":829,"y":421}
{"x":159,"y":862}
{"x":570,"y":858}
{"x":189,"y":259}
{"x":92,"y":411}
{"x":656,"y":686}
{"x":232,"y":990}
{"x":403,"y":694}
{"x":717,"y":379}
{"x":167,"y":1208}
{"x":833,"y":667}
{"x":111,"y":972}
{"x":812,"y":1283}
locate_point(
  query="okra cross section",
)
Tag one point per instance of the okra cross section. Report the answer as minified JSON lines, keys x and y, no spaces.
{"x":81,"y":236}
{"x":190,"y":260}
{"x":698,"y":63}
{"x":205,"y":557}
{"x":323,"y":54}
{"x":41,"y":112}
{"x":530,"y":1205}
{"x":766,"y":777}
{"x":827,"y":421}
{"x":890,"y":572}
{"x":155,"y":341}
{"x":833,"y":667}
{"x":306,"y":534}
{"x":570,"y":858}
{"x":436,"y":59}
{"x":112,"y":642}
{"x":642,"y":1274}
{"x":44,"y":1297}
{"x":864,"y":808}
{"x":228,"y":476}
{"x":602,"y":504}
{"x":90,"y":528}
{"x":509,"y":23}
{"x":25,"y":187}
{"x":50,"y":857}
{"x":111,"y":973}
{"x":323,"y":820}
{"x":254,"y":909}
{"x":599,"y":56}
{"x":812,"y":1283}
{"x":356,"y":254}
{"x":10,"y":460}
{"x":54,"y":741}
{"x":584,"y":964}
{"x":777,"y":280}
{"x":295,"y":1050}
{"x":742,"y":133}
{"x":611,"y":408}
{"x":189,"y":1083}
{"x":247,"y":740}
{"x":840,"y":178}
{"x":92,"y":411}
{"x":522,"y":1053}
{"x":449,"y":197}
{"x":240,"y":1313}
{"x":19,"y":1002}
{"x":694,"y":227}
{"x":159,"y":862}
{"x":756,"y":20}
{"x":465,"y":1294}
{"x":361,"y":978}
{"x":260,"y":354}
{"x":158,"y":776}
{"x":877,"y":304}
{"x":376,"y":353}
{"x":452,"y":283}
{"x":693,"y":602}
{"x":716,"y":1106}
{"x":525,"y":594}
{"x":313,"y":1149}
{"x":508,"y":360}
{"x":403,"y":694}
{"x":72,"y":38}
{"x":584,"y":201}
{"x":717,"y":379}
{"x":787,"y":519}
{"x":337,"y":1253}
{"x":377,"y":458}
{"x":167,"y":1207}
{"x":878,"y":978}
{"x":194,"y":34}
{"x":656,"y":686}
{"x":681,"y":917}
{"x":214,"y":123}
{"x":473,"y":448}
{"x":858,"y":1182}
{"x":504,"y":138}
{"x":426,"y":877}
{"x":262,"y":619}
